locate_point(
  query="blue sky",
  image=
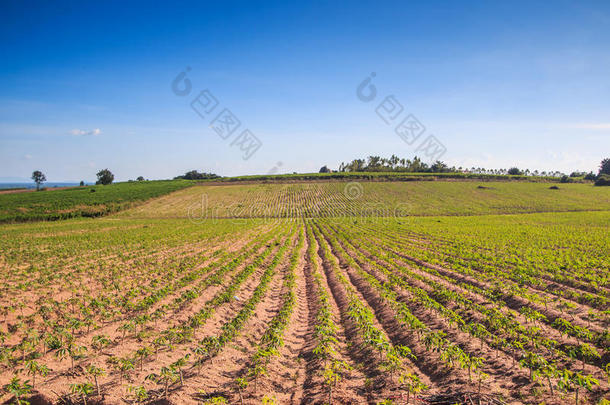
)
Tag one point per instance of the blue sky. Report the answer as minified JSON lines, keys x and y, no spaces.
{"x":88,"y":86}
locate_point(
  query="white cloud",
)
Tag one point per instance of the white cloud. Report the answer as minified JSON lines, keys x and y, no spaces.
{"x":27,"y":156}
{"x":597,"y":126}
{"x":80,"y":132}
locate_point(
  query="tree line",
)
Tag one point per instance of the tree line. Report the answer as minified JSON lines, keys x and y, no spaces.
{"x":195,"y":175}
{"x":416,"y":165}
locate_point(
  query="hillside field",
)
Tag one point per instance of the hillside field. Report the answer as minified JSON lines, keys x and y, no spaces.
{"x":86,"y":201}
{"x":430,"y":292}
{"x":337,"y":199}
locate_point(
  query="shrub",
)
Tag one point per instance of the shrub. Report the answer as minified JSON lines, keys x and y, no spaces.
{"x":195,"y":175}
{"x":603,"y":181}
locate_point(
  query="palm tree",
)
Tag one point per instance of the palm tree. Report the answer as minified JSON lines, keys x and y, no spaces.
{"x":373,"y":162}
{"x":394,"y":161}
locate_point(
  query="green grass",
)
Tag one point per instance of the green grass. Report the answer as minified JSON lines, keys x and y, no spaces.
{"x":88,"y":201}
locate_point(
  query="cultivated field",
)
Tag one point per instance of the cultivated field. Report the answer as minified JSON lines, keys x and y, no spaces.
{"x":414,"y":292}
{"x":86,"y":201}
{"x":333,"y":199}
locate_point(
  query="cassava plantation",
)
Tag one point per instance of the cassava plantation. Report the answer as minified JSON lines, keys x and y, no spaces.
{"x":312,"y":292}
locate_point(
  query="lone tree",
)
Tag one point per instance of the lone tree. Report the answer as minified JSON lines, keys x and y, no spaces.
{"x":104,"y":177}
{"x":38,"y":178}
{"x":140,"y":178}
{"x":604,"y":167}
{"x":515,"y":171}
{"x":324,"y":169}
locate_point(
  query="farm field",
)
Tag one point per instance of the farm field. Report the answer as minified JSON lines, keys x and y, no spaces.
{"x":415,"y":292}
{"x":335,"y":199}
{"x":87,"y":201}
